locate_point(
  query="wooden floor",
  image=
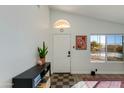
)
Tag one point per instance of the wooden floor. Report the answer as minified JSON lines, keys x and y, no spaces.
{"x":99,"y":77}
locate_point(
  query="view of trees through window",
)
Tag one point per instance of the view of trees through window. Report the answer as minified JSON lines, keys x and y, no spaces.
{"x":106,"y":48}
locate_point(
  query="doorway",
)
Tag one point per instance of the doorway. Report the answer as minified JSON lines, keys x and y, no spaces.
{"x":62,"y":53}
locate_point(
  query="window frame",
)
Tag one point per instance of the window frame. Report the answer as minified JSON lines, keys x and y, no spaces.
{"x":106,"y":61}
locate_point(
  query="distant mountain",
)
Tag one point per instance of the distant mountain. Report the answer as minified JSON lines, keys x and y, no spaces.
{"x":114,"y":48}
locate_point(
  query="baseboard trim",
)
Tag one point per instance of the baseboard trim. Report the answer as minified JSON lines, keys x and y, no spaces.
{"x":98,"y":72}
{"x":5,"y":85}
{"x":61,"y":73}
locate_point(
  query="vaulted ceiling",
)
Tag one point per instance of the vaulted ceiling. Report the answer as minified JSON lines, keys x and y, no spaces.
{"x":113,"y":13}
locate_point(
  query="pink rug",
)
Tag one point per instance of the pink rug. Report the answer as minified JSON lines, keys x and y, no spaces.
{"x":98,"y":84}
{"x":109,"y":84}
{"x":90,"y":84}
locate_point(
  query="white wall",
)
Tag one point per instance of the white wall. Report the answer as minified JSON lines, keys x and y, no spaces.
{"x":22,"y":29}
{"x":80,"y":25}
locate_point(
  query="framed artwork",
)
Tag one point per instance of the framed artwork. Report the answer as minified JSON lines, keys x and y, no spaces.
{"x":81,"y":42}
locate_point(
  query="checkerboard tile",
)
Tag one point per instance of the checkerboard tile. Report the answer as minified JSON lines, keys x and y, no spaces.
{"x":62,"y":81}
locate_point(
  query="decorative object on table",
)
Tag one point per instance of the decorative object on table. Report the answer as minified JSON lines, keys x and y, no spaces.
{"x":61,"y":24}
{"x":81,"y":42}
{"x":40,"y":62}
{"x":42,"y":54}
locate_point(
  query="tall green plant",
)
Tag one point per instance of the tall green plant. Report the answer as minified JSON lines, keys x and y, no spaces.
{"x":43,"y":51}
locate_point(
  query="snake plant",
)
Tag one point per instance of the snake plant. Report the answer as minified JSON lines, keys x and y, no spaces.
{"x":43,"y":51}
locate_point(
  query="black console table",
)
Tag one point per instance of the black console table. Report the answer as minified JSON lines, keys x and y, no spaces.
{"x":31,"y":77}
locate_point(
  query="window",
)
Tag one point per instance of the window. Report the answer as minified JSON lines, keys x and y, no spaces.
{"x":98,"y":48}
{"x":106,"y":48}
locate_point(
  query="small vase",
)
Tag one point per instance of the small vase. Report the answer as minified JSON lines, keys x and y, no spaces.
{"x":42,"y":60}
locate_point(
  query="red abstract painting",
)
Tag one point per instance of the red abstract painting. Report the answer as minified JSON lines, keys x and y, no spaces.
{"x":81,"y":42}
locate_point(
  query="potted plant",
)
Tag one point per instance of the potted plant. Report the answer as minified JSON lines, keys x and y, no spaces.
{"x":42,"y":53}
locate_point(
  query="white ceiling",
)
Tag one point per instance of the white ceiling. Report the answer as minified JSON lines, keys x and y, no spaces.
{"x":113,"y":13}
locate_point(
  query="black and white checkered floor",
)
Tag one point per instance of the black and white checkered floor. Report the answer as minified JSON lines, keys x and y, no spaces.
{"x":62,"y":81}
